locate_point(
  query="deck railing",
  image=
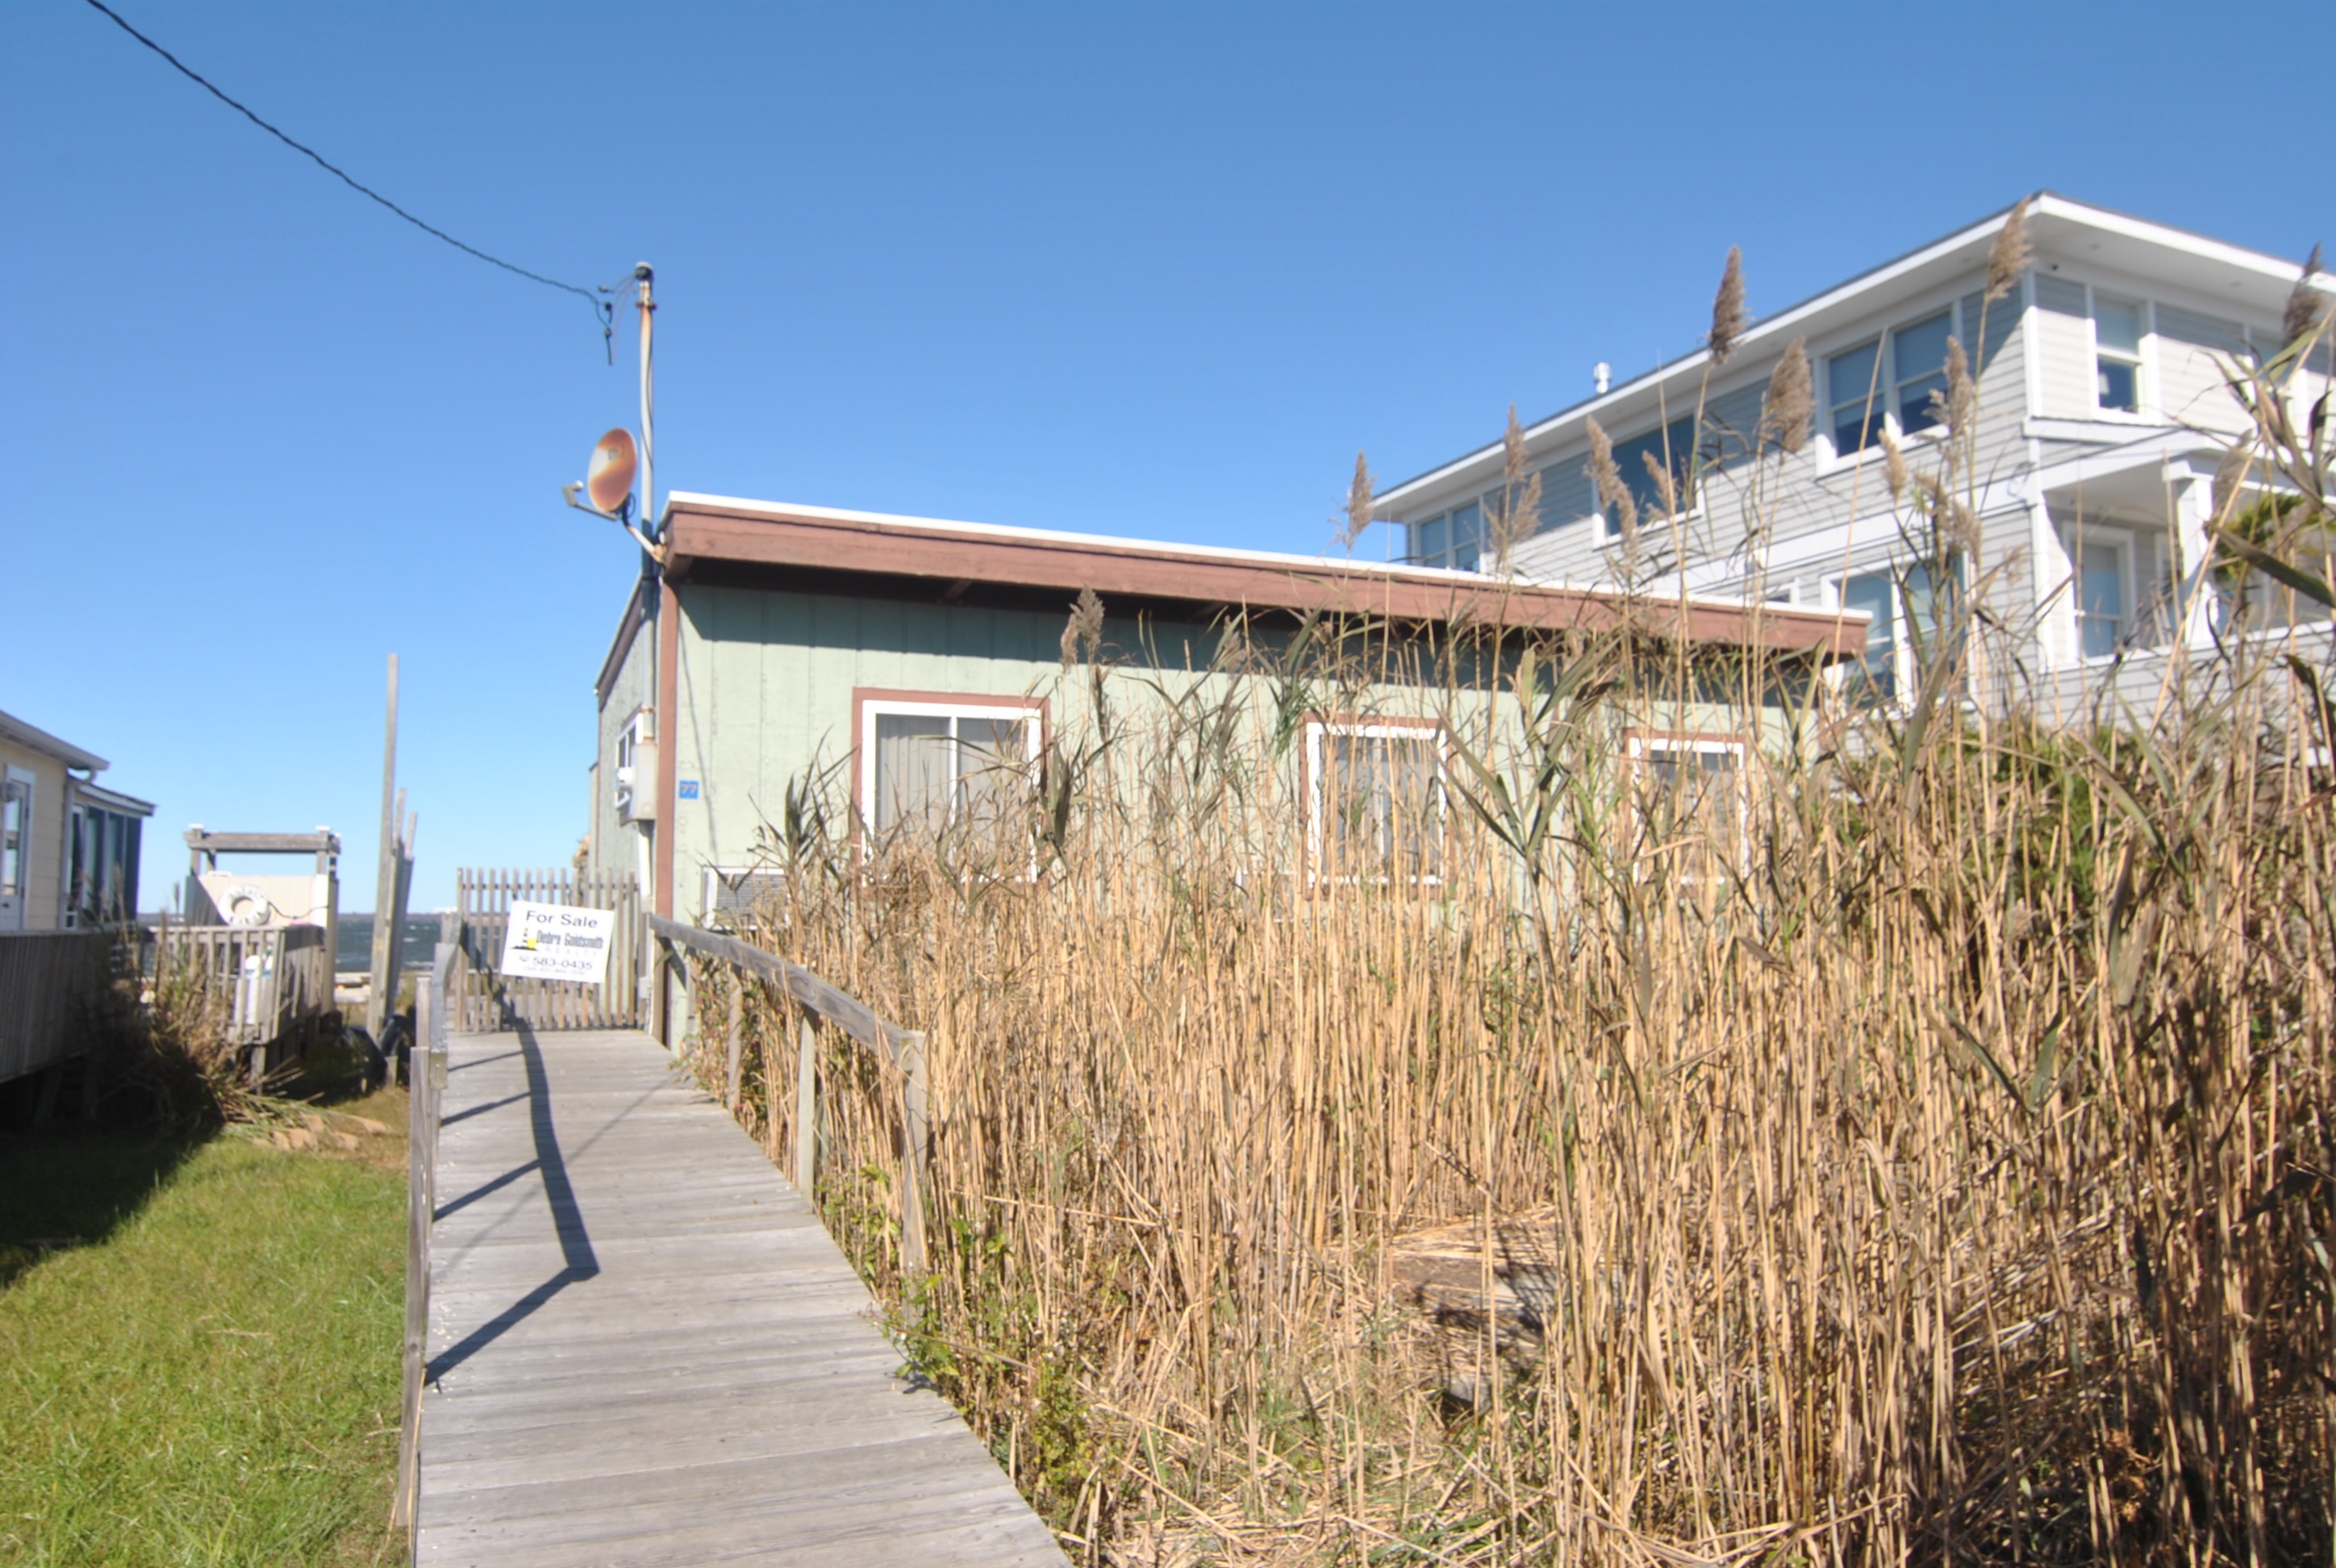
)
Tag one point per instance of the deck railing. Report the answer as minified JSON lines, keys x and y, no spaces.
{"x":435,"y":998}
{"x":274,"y":978}
{"x":902,"y":1050}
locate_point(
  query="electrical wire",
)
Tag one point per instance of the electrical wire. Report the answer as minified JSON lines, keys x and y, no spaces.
{"x":602,"y":307}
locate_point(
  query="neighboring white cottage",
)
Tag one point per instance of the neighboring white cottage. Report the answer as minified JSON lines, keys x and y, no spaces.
{"x":2101,"y":415}
{"x":68,"y":846}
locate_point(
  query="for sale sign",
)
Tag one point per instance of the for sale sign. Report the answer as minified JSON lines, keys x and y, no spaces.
{"x":557,"y":943}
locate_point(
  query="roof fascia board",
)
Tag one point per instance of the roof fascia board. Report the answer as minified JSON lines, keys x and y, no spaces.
{"x":628,"y":625}
{"x":718,"y":529}
{"x":34,"y":738}
{"x":112,"y":800}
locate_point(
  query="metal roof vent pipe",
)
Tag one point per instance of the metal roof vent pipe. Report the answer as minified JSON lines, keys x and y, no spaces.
{"x":1603,"y":374}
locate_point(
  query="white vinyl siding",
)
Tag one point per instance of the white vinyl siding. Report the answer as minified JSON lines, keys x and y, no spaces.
{"x":2190,"y":384}
{"x":2064,"y":347}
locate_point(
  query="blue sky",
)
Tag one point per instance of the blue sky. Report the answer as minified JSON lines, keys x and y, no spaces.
{"x":1139,"y":270}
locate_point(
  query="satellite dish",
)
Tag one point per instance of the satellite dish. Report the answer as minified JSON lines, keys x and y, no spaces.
{"x":609,"y":479}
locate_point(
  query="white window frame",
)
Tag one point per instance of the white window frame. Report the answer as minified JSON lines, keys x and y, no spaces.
{"x":1643,"y":746}
{"x":1316,"y":761}
{"x":11,"y":781}
{"x":2140,"y":549}
{"x":1028,"y":712}
{"x":719,"y":878}
{"x":1902,"y":673}
{"x":1886,"y":384}
{"x":1610,"y":521}
{"x":2143,"y":361}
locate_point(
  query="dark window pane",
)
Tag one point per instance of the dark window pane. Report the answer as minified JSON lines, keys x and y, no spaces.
{"x":1850,"y":383}
{"x":1922,"y":349}
{"x":2118,"y":385}
{"x":1915,"y":409}
{"x":1854,"y":429}
{"x":1431,"y":541}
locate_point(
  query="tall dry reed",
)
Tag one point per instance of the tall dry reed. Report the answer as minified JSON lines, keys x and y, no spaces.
{"x":1928,"y":1148}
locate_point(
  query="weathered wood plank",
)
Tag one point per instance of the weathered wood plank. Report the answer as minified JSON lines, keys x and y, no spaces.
{"x":646,"y":1351}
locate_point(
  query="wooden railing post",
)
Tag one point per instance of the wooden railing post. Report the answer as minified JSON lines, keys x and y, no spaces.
{"x":807,"y":1106}
{"x":737,"y":1004}
{"x":913,"y":1125}
{"x":417,"y":1269}
{"x":426,"y":1084}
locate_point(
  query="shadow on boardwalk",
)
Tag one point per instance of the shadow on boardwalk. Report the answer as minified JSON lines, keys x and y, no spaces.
{"x":646,"y":1350}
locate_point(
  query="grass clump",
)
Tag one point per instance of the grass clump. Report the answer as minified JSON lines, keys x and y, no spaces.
{"x":199,"y":1344}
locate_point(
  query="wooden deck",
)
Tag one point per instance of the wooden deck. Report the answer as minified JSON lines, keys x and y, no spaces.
{"x":644,"y":1348}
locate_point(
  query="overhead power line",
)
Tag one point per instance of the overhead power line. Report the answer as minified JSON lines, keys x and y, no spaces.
{"x":598,"y":298}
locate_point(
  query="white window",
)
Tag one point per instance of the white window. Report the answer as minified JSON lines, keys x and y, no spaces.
{"x":2121,"y":585}
{"x":931,"y":762}
{"x":636,"y":767}
{"x":733,"y":893}
{"x":1901,"y":629}
{"x":16,"y":847}
{"x":1374,"y":801}
{"x":2117,"y":354}
{"x":1888,"y":383}
{"x":1692,"y":780}
{"x":1670,"y":449}
{"x":2103,"y":600}
{"x":1456,"y":539}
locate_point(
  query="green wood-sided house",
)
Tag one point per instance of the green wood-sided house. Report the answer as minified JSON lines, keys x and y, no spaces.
{"x":772,"y":643}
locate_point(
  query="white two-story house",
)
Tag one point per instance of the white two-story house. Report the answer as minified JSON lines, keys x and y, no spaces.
{"x":2101,"y":414}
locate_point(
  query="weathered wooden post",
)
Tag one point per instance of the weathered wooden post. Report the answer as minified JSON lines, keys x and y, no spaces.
{"x":913,"y":1126}
{"x":385,"y":896}
{"x":418,"y":1205}
{"x":807,"y":1106}
{"x":737,"y":1004}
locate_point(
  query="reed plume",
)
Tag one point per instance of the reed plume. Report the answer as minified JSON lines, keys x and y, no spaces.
{"x":2009,"y":258}
{"x":1787,"y":408}
{"x":1728,"y":318}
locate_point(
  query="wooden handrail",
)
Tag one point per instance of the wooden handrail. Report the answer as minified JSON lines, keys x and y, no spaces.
{"x":892,"y":1044}
{"x":426,"y":1080}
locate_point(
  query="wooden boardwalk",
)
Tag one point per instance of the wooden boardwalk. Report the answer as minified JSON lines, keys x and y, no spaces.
{"x":645,"y":1349}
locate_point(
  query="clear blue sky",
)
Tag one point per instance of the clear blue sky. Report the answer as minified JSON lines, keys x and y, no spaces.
{"x":1138,"y":269}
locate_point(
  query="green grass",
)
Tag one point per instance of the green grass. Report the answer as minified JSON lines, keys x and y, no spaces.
{"x":199,"y":1351}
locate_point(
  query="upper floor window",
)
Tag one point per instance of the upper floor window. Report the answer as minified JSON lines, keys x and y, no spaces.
{"x":938,"y":761}
{"x":2117,"y":354}
{"x":1854,"y":382}
{"x":1918,"y":356}
{"x":1896,"y":374}
{"x":1671,"y":448}
{"x":1456,"y":539}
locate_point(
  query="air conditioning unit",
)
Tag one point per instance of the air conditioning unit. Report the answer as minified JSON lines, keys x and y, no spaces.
{"x":637,"y":785}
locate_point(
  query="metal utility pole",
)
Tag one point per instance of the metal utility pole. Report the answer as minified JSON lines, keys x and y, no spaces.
{"x":644,"y":275}
{"x":385,"y":945}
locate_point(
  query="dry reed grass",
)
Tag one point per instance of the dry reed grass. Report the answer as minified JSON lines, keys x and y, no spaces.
{"x":1929,"y":1158}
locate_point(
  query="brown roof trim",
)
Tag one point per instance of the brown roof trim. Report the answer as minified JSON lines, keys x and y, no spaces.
{"x":712,"y":529}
